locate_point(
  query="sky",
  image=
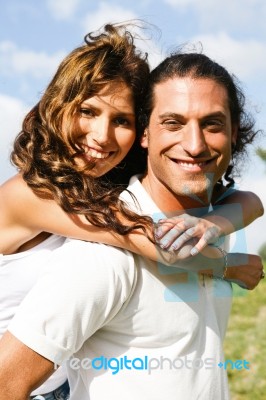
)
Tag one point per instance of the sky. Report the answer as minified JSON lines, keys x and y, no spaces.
{"x":36,"y":35}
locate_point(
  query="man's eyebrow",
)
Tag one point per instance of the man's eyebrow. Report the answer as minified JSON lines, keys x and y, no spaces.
{"x":175,"y":115}
{"x":171,"y":115}
{"x":214,"y":115}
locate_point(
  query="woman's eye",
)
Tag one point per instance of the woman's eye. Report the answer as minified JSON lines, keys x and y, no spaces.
{"x":86,"y":112}
{"x":122,"y":121}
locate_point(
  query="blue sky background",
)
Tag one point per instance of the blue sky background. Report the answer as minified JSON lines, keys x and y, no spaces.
{"x":36,"y":34}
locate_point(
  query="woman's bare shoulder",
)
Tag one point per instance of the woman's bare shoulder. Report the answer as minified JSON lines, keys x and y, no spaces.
{"x":17,"y":198}
{"x":15,"y":205}
{"x":14,"y":183}
{"x":16,"y":189}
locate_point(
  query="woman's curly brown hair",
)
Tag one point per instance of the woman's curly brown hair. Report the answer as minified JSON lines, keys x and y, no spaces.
{"x":46,"y":156}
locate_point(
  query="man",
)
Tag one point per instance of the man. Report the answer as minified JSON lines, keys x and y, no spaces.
{"x":128,"y":328}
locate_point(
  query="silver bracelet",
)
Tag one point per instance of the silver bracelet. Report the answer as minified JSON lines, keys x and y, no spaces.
{"x":225,"y":256}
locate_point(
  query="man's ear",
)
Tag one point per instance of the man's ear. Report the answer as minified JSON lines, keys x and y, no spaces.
{"x":144,"y":139}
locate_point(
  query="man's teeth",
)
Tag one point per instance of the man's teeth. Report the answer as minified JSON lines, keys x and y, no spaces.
{"x":97,"y":154}
{"x":191,"y":165}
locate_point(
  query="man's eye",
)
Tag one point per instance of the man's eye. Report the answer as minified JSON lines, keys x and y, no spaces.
{"x":213,"y":124}
{"x":172,"y":124}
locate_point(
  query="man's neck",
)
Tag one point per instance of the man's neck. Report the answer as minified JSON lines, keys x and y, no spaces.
{"x":170,"y":203}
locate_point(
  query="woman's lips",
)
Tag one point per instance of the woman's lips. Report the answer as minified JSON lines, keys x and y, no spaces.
{"x":91,"y":152}
{"x":97,"y":154}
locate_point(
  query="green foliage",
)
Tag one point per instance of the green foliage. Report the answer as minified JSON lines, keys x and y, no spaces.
{"x":262,"y":252}
{"x":246,"y":339}
{"x":262,"y":153}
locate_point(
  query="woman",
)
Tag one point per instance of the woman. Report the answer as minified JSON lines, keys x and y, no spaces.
{"x":84,"y":126}
{"x":58,"y":158}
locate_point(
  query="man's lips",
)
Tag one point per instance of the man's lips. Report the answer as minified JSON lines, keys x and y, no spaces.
{"x":193,"y":165}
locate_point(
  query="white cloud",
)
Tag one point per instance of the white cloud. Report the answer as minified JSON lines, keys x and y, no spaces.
{"x":181,"y":3}
{"x":12,"y":112}
{"x":62,"y":9}
{"x":106,"y":13}
{"x":19,"y":61}
{"x":247,"y":15}
{"x":250,"y":7}
{"x":245,"y":58}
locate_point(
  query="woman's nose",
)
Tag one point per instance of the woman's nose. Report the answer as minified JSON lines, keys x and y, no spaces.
{"x":101,"y":131}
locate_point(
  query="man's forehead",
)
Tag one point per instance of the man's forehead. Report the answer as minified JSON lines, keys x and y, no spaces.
{"x":188,"y":91}
{"x":188,"y":83}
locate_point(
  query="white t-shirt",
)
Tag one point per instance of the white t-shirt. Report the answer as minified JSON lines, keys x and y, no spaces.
{"x":129,"y":327}
{"x":18,"y":274}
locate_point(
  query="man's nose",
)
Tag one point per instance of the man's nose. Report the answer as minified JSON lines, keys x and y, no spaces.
{"x":194,"y":142}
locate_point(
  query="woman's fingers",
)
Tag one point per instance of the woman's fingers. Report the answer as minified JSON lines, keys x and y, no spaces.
{"x":211,"y":235}
{"x":172,"y":233}
{"x":165,"y":225}
{"x":170,"y":237}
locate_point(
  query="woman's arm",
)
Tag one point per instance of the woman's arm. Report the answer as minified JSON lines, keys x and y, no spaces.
{"x":25,"y":216}
{"x":234,"y":210}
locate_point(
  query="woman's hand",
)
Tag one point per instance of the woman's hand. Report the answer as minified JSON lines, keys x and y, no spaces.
{"x":172,"y":233}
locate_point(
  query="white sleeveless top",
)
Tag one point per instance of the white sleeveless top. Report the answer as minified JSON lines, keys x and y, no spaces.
{"x":18,"y":274}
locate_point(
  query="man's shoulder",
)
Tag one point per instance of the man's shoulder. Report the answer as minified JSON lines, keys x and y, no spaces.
{"x":138,"y":199}
{"x":133,"y":191}
{"x":90,"y":258}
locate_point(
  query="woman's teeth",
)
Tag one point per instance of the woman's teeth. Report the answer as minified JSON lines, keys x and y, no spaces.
{"x":97,"y":154}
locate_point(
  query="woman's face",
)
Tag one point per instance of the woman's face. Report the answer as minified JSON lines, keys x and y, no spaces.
{"x":107,"y":128}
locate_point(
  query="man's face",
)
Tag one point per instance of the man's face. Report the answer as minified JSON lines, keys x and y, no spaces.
{"x":189,"y":137}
